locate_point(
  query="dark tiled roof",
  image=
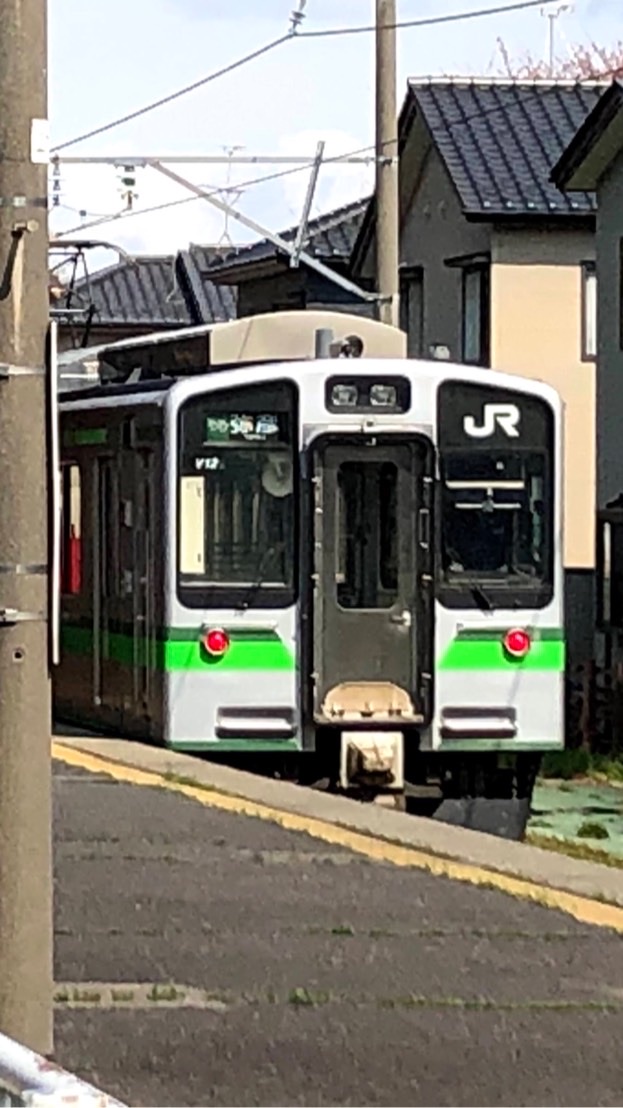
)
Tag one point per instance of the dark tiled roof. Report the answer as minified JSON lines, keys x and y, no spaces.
{"x":143,"y":290}
{"x":328,"y":237}
{"x":162,"y":290}
{"x":209,"y":302}
{"x":500,"y":139}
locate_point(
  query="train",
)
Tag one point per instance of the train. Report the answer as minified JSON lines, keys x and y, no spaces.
{"x":283,"y":542}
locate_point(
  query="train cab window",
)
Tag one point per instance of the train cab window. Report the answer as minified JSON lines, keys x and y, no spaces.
{"x":71,"y":534}
{"x":494,"y":522}
{"x":496,"y":497}
{"x":237,"y":488}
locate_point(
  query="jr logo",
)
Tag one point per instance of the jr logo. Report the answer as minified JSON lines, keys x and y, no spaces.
{"x":506,"y":416}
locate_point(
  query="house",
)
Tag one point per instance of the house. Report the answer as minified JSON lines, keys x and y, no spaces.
{"x":498,"y":265}
{"x":140,"y":295}
{"x":593,"y":161}
{"x":266,"y":281}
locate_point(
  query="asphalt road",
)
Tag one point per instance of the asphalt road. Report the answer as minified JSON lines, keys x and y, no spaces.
{"x":217,"y":959}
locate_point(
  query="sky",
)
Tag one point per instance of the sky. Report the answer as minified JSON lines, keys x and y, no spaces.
{"x":107,"y":59}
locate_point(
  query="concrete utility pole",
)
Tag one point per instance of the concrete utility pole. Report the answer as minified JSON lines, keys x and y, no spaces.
{"x":25,"y":752}
{"x":387,"y":229}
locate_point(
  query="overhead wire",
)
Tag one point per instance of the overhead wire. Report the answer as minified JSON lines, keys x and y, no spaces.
{"x":124,"y":214}
{"x":329,"y":32}
{"x":175,"y":95}
{"x":460,"y":121}
{"x":426,"y":21}
{"x":433,"y":20}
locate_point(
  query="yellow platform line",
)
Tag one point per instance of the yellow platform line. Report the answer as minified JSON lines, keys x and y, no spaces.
{"x":584,"y":909}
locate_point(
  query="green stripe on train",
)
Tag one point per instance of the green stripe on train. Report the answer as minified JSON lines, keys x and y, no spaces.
{"x":478,"y":649}
{"x":178,"y":649}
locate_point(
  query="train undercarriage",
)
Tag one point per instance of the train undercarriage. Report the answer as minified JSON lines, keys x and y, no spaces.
{"x":487,"y":792}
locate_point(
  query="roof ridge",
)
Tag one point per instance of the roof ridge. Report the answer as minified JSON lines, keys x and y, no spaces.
{"x":510,"y":82}
{"x":150,"y":258}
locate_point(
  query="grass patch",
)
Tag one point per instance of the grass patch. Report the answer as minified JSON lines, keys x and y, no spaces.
{"x":183,"y":781}
{"x":343,"y":929}
{"x":564,"y":765}
{"x":86,"y":996}
{"x":307,"y":998}
{"x":590,"y":829}
{"x":122,"y":995}
{"x":608,"y":769}
{"x":165,"y":993}
{"x":582,"y":851}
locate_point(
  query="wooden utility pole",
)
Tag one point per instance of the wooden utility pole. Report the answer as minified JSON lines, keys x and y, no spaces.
{"x":387,"y":257}
{"x":25,"y":752}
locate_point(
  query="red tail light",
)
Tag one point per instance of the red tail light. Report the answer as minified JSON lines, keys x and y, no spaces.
{"x":216,"y":642}
{"x":517,"y":642}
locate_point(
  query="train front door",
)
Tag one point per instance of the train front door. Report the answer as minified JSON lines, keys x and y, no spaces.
{"x":371,"y":580}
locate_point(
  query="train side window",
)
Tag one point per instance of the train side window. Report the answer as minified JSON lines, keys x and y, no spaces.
{"x":71,"y":533}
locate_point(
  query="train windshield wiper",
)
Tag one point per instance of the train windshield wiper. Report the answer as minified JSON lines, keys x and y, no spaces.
{"x":256,"y":585}
{"x":480,"y":596}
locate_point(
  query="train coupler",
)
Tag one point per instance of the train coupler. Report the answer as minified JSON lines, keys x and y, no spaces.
{"x":372,"y":760}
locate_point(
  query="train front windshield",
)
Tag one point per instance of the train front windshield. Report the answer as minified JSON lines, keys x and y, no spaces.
{"x":236,"y":497}
{"x":496,"y":498}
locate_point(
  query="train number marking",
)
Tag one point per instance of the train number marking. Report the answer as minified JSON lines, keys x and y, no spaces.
{"x":208,"y":463}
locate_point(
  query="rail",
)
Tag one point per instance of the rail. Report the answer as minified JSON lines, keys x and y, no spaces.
{"x":27,"y":1080}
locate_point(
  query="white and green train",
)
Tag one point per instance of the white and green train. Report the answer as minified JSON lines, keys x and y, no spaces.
{"x":351,"y":561}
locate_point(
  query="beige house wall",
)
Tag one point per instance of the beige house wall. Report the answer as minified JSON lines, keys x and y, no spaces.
{"x":536,"y":331}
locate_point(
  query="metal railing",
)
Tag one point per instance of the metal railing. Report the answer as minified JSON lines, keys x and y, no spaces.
{"x":28,"y":1080}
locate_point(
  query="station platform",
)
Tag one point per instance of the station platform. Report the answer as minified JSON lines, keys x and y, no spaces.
{"x":222,"y":939}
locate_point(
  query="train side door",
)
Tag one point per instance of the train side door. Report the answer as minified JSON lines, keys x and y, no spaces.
{"x":137,"y":586}
{"x":106,"y":661}
{"x":144,"y":654}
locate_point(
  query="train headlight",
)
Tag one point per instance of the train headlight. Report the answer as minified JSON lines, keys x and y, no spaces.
{"x":216,"y":642}
{"x":517,"y":642}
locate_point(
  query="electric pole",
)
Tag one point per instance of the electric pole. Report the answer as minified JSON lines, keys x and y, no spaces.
{"x":25,"y":723}
{"x":387,"y":229}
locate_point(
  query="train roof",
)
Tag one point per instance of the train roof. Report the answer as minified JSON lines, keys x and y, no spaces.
{"x":429,"y":373}
{"x":252,"y":340}
{"x":149,"y":365}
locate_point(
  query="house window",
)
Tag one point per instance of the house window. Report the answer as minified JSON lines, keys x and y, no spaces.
{"x":475,"y":315}
{"x":589,"y":312}
{"x":71,"y":535}
{"x":412,"y":310}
